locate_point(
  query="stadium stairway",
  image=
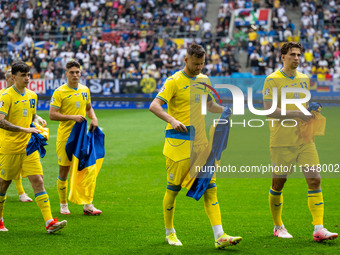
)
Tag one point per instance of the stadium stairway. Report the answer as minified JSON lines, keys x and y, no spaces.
{"x":212,"y":11}
{"x":17,"y":30}
{"x":242,"y":59}
{"x":294,"y":14}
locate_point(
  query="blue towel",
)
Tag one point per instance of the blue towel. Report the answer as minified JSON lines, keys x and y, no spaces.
{"x":220,"y":141}
{"x":36,"y":143}
{"x":86,"y":147}
{"x":190,"y":135}
{"x":314,"y":106}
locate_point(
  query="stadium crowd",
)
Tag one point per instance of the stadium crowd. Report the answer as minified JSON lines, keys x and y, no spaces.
{"x":127,"y":39}
{"x":318,"y":34}
{"x":109,"y":38}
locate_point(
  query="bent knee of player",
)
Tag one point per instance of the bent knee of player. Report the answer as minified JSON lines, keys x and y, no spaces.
{"x":4,"y":185}
{"x":314,"y":183}
{"x":63,"y":171}
{"x":37,"y":183}
{"x":278,"y":182}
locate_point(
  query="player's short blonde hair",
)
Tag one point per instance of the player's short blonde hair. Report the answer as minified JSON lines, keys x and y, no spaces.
{"x":196,"y":50}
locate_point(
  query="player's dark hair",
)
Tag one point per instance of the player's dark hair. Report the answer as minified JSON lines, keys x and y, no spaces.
{"x":72,"y":63}
{"x":196,"y":50}
{"x":20,"y":67}
{"x":289,"y":45}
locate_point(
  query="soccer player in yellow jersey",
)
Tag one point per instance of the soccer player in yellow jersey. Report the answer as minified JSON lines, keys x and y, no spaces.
{"x":70,"y":103}
{"x":287,"y":147}
{"x":23,"y":197}
{"x":17,"y":111}
{"x":176,"y":94}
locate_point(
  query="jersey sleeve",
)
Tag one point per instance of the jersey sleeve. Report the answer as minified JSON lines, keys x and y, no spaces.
{"x":267,"y":91}
{"x":5,"y":103}
{"x":56,"y":99}
{"x":167,"y":91}
{"x":88,"y":97}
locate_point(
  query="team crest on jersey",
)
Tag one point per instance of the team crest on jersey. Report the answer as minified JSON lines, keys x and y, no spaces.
{"x":266,"y":92}
{"x":78,"y":104}
{"x":76,"y":94}
{"x":197,"y":98}
{"x":2,"y":103}
{"x":24,"y":112}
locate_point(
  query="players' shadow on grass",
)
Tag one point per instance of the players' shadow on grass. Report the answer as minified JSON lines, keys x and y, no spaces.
{"x":165,"y":248}
{"x":329,"y":243}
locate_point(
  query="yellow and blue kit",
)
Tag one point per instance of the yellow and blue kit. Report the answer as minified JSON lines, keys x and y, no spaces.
{"x":19,"y":110}
{"x":70,"y":101}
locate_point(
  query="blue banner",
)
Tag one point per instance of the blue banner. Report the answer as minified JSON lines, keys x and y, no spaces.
{"x":100,"y":105}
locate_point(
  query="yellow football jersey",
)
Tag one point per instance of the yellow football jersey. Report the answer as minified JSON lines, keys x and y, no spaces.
{"x":183,"y":96}
{"x":19,"y":110}
{"x":70,"y":101}
{"x":279,"y":135}
{"x":1,"y":130}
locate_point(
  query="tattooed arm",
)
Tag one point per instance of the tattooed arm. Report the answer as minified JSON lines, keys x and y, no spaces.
{"x":4,"y":124}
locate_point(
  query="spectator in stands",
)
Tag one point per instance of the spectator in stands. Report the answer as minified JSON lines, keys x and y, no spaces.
{"x":254,"y":61}
{"x":106,"y":75}
{"x":49,"y":75}
{"x":28,"y":40}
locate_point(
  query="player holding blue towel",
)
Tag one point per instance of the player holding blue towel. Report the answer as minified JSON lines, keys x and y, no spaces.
{"x":182,"y":92}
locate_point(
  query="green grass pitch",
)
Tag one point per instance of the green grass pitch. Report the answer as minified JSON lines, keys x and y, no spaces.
{"x":130,"y":189}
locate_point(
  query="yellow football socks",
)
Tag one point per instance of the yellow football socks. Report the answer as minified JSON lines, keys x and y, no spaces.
{"x":169,"y":203}
{"x":18,"y":185}
{"x":2,"y":204}
{"x":316,"y":206}
{"x":275,"y":205}
{"x":43,"y":203}
{"x":62,"y":190}
{"x":211,"y":206}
